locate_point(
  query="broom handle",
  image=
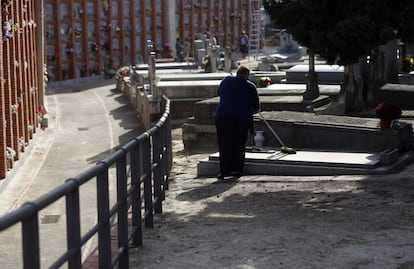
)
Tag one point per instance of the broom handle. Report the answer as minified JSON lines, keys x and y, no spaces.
{"x":271,"y":129}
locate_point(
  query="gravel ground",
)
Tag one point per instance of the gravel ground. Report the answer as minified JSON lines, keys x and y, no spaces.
{"x":279,"y":221}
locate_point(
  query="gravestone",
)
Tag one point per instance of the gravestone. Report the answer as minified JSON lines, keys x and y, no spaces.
{"x":287,"y":43}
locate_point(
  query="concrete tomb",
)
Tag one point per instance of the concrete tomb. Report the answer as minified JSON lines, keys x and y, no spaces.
{"x":325,"y":145}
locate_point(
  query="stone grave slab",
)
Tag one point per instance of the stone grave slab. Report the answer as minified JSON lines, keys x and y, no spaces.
{"x":308,"y":163}
{"x":327,"y":74}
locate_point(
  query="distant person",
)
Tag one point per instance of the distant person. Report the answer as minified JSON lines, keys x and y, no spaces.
{"x":244,"y":44}
{"x":179,"y":48}
{"x":234,"y":117}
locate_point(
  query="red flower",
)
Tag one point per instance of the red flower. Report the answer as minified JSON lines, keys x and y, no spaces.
{"x":41,"y":110}
{"x":388,"y":111}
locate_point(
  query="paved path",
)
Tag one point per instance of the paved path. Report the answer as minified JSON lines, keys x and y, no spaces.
{"x":88,"y":119}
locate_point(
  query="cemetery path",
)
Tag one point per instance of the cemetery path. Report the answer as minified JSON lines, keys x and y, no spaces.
{"x":280,"y":221}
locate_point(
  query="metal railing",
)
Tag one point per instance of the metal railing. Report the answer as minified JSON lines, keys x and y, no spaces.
{"x":142,"y":169}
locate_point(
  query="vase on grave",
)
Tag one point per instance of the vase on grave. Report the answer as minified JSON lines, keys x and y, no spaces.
{"x":259,"y":138}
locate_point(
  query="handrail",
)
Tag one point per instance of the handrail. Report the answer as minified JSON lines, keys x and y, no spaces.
{"x":142,"y":166}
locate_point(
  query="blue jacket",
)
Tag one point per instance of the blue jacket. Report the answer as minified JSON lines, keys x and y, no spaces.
{"x":238,"y":98}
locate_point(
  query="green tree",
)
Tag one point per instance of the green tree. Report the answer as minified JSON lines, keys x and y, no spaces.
{"x":343,"y":31}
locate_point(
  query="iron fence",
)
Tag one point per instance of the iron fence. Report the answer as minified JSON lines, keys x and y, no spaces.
{"x":142,"y":168}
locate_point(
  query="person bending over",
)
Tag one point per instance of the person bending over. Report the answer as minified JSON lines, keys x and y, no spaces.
{"x":239,"y":100}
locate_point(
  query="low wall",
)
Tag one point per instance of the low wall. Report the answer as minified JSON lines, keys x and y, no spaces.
{"x":303,"y":130}
{"x":147,"y":107}
{"x":188,"y":89}
{"x":338,"y":133}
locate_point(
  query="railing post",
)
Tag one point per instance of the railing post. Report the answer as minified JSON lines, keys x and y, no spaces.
{"x":136,"y":172}
{"x":146,"y":167}
{"x":158,"y":177}
{"x":164,"y":164}
{"x":166,"y":134}
{"x":122,"y":195}
{"x":169,"y":143}
{"x":73,"y":230}
{"x":167,"y":125}
{"x":30,"y":234}
{"x":104,"y":233}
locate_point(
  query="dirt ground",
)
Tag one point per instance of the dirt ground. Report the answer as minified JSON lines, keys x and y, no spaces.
{"x":280,"y":221}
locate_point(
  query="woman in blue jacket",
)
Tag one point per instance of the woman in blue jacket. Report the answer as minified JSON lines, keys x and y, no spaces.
{"x":239,"y":100}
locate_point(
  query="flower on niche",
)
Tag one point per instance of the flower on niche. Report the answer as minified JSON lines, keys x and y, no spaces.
{"x":7,"y":30}
{"x":387,"y":110}
{"x":10,"y":153}
{"x":94,"y":46}
{"x":6,"y":2}
{"x":14,"y":108}
{"x":105,"y":5}
{"x":78,"y":31}
{"x":69,"y":49}
{"x":40,"y":112}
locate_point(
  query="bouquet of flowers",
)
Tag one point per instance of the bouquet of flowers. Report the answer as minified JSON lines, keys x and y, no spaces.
{"x":94,"y":47}
{"x":263,"y":82}
{"x":407,"y":64}
{"x":69,"y":49}
{"x":387,"y":110}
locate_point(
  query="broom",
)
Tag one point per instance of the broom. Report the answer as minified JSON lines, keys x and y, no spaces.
{"x":284,"y":148}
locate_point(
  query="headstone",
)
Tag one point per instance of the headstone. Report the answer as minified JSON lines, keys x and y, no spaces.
{"x":227,"y":60}
{"x":391,"y":65}
{"x":212,"y":53}
{"x":287,"y":44}
{"x":198,"y":45}
{"x":151,"y":74}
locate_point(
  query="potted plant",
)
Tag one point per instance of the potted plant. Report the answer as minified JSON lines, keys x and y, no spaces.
{"x":387,"y":112}
{"x":166,"y":51}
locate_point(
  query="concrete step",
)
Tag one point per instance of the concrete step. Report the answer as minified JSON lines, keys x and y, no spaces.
{"x":308,"y":163}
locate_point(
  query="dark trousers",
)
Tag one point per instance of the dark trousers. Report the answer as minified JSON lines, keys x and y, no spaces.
{"x":231,"y":136}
